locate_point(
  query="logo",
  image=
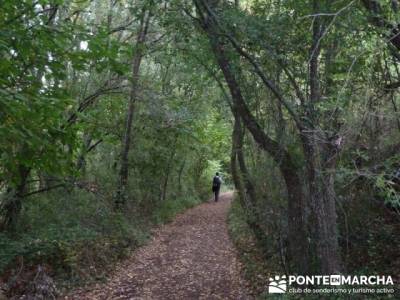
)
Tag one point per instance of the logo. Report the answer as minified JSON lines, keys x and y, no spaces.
{"x":277,"y":285}
{"x":329,"y":284}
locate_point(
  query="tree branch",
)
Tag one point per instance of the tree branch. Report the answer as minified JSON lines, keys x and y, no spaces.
{"x":268,"y":82}
{"x":43,"y":190}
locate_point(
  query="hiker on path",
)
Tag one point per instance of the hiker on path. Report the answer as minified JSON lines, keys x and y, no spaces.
{"x":216,"y":185}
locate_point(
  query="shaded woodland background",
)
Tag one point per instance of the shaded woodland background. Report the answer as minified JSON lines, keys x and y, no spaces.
{"x":115,"y":114}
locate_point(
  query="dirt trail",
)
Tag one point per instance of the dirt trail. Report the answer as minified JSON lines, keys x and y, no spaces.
{"x":190,"y":258}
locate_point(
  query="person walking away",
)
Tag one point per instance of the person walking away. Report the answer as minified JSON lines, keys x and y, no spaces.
{"x":216,"y":186}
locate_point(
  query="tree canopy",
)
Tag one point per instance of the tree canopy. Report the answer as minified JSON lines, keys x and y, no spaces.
{"x":124,"y":109}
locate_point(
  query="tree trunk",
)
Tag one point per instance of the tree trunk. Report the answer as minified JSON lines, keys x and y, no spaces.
{"x":298,"y":237}
{"x":250,"y":190}
{"x":241,"y":179}
{"x":320,"y":163}
{"x":81,"y":163}
{"x":234,"y":166}
{"x":323,"y":205}
{"x":168,"y":172}
{"x":12,"y":206}
{"x":180,"y":172}
{"x":298,"y":241}
{"x":126,"y":143}
{"x":244,"y":186}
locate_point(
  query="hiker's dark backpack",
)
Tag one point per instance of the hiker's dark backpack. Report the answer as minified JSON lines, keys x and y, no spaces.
{"x":216,"y":183}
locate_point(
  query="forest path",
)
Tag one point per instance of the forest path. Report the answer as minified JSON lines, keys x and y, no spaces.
{"x":190,"y":258}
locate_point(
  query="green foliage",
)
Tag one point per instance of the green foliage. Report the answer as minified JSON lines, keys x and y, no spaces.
{"x":168,"y":209}
{"x":57,"y":230}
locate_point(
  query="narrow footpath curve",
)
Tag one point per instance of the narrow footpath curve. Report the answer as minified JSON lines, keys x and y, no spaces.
{"x":190,"y":258}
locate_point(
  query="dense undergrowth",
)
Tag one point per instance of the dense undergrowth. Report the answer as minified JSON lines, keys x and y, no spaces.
{"x":373,"y":255}
{"x":76,"y":237}
{"x":256,"y":268}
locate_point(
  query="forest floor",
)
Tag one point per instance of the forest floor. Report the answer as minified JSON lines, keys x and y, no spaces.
{"x":189,"y":258}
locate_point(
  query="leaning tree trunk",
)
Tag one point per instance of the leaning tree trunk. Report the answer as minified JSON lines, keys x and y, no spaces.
{"x":298,"y":237}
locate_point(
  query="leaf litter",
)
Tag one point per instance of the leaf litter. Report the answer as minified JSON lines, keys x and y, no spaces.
{"x":190,"y":258}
